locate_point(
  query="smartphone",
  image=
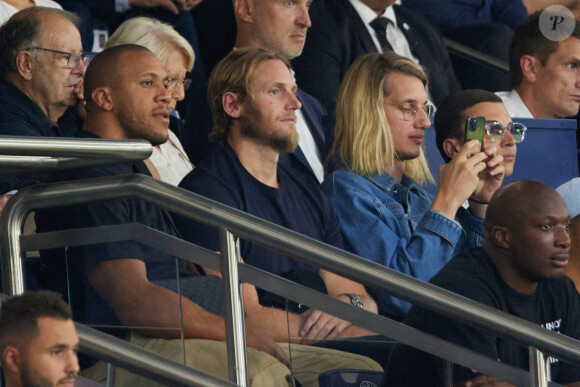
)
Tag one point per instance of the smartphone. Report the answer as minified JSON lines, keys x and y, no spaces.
{"x":475,"y":129}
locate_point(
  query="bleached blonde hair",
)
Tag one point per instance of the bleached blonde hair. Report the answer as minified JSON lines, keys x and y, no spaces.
{"x":363,"y":139}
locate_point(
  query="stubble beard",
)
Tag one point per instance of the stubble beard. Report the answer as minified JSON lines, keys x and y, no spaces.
{"x":137,"y":129}
{"x":30,"y":378}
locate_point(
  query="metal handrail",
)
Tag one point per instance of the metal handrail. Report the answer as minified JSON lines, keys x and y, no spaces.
{"x":19,"y":154}
{"x":259,"y":278}
{"x":478,"y":56}
{"x":134,"y":358}
{"x":267,"y":234}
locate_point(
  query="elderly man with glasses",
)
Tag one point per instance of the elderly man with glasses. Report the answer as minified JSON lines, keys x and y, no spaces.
{"x":41,"y":76}
{"x":385,"y":214}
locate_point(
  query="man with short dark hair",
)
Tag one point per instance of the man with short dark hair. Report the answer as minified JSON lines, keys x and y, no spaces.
{"x":38,"y":341}
{"x":126,"y":284}
{"x":450,"y":121}
{"x":545,"y":73}
{"x":518,"y":270}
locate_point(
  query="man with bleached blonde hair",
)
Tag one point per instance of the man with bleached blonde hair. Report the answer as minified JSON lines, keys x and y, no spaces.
{"x":382,"y":114}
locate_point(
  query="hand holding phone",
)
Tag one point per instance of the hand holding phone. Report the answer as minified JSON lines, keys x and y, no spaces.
{"x":475,"y":129}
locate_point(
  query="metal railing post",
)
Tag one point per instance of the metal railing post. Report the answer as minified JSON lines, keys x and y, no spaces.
{"x":448,"y":373}
{"x":11,"y":254}
{"x":538,"y":368}
{"x":297,"y":246}
{"x":111,"y":374}
{"x":235,"y":332}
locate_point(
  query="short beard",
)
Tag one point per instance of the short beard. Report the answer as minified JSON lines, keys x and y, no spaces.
{"x":254,"y":127}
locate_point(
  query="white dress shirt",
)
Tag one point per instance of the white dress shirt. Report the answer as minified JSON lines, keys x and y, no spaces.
{"x":514,"y":104}
{"x":395,"y":35}
{"x":171,"y":162}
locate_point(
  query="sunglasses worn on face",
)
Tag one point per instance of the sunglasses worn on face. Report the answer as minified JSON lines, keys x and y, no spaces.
{"x":496,"y":131}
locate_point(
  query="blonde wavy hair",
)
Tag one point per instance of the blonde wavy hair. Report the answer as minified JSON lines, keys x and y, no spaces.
{"x":363,"y":139}
{"x":234,"y":73}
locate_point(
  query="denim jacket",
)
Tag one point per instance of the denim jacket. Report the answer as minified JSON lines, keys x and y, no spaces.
{"x":393,"y":225}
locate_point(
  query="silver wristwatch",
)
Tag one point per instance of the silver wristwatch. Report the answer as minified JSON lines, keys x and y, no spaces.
{"x":355,"y":300}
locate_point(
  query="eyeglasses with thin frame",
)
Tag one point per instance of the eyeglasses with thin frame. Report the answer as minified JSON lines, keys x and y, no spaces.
{"x":496,"y":131}
{"x":410,"y":110}
{"x":173,"y":84}
{"x":72,"y":58}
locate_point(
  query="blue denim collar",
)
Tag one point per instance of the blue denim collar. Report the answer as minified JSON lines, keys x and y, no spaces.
{"x":386,"y":182}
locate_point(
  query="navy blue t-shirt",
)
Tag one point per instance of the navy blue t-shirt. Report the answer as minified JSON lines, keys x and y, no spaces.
{"x":87,"y":305}
{"x":298,"y":205}
{"x":555,"y":305}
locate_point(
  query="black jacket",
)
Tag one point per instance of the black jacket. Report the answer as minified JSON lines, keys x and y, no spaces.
{"x":338,"y":36}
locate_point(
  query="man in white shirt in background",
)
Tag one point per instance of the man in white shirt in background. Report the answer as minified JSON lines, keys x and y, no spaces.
{"x":343,"y":30}
{"x":545,"y":73}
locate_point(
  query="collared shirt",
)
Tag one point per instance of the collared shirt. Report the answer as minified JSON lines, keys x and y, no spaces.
{"x":393,"y":225}
{"x":308,"y":145}
{"x":514,"y":104}
{"x":394,"y":34}
{"x":20,"y":116}
{"x":171,"y":161}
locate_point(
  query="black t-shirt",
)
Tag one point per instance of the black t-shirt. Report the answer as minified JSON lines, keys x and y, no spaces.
{"x":298,"y":205}
{"x":554,"y":305}
{"x":87,"y":305}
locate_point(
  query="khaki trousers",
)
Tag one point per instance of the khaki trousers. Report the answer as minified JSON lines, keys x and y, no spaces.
{"x":210,"y":356}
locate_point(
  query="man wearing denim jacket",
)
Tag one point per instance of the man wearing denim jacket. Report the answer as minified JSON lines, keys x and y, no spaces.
{"x":386,"y":217}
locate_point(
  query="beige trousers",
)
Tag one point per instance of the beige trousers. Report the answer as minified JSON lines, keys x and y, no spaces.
{"x":263,"y":370}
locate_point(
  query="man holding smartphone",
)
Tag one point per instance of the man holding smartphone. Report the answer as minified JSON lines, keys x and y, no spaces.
{"x":385,"y":214}
{"x":451,"y":123}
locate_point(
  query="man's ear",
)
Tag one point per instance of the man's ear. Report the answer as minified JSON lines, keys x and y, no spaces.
{"x":101,"y":96}
{"x":12,"y":359}
{"x":451,"y":146}
{"x":231,"y":104}
{"x":25,"y":64}
{"x":244,"y":10}
{"x":529,"y":66}
{"x":501,"y":236}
